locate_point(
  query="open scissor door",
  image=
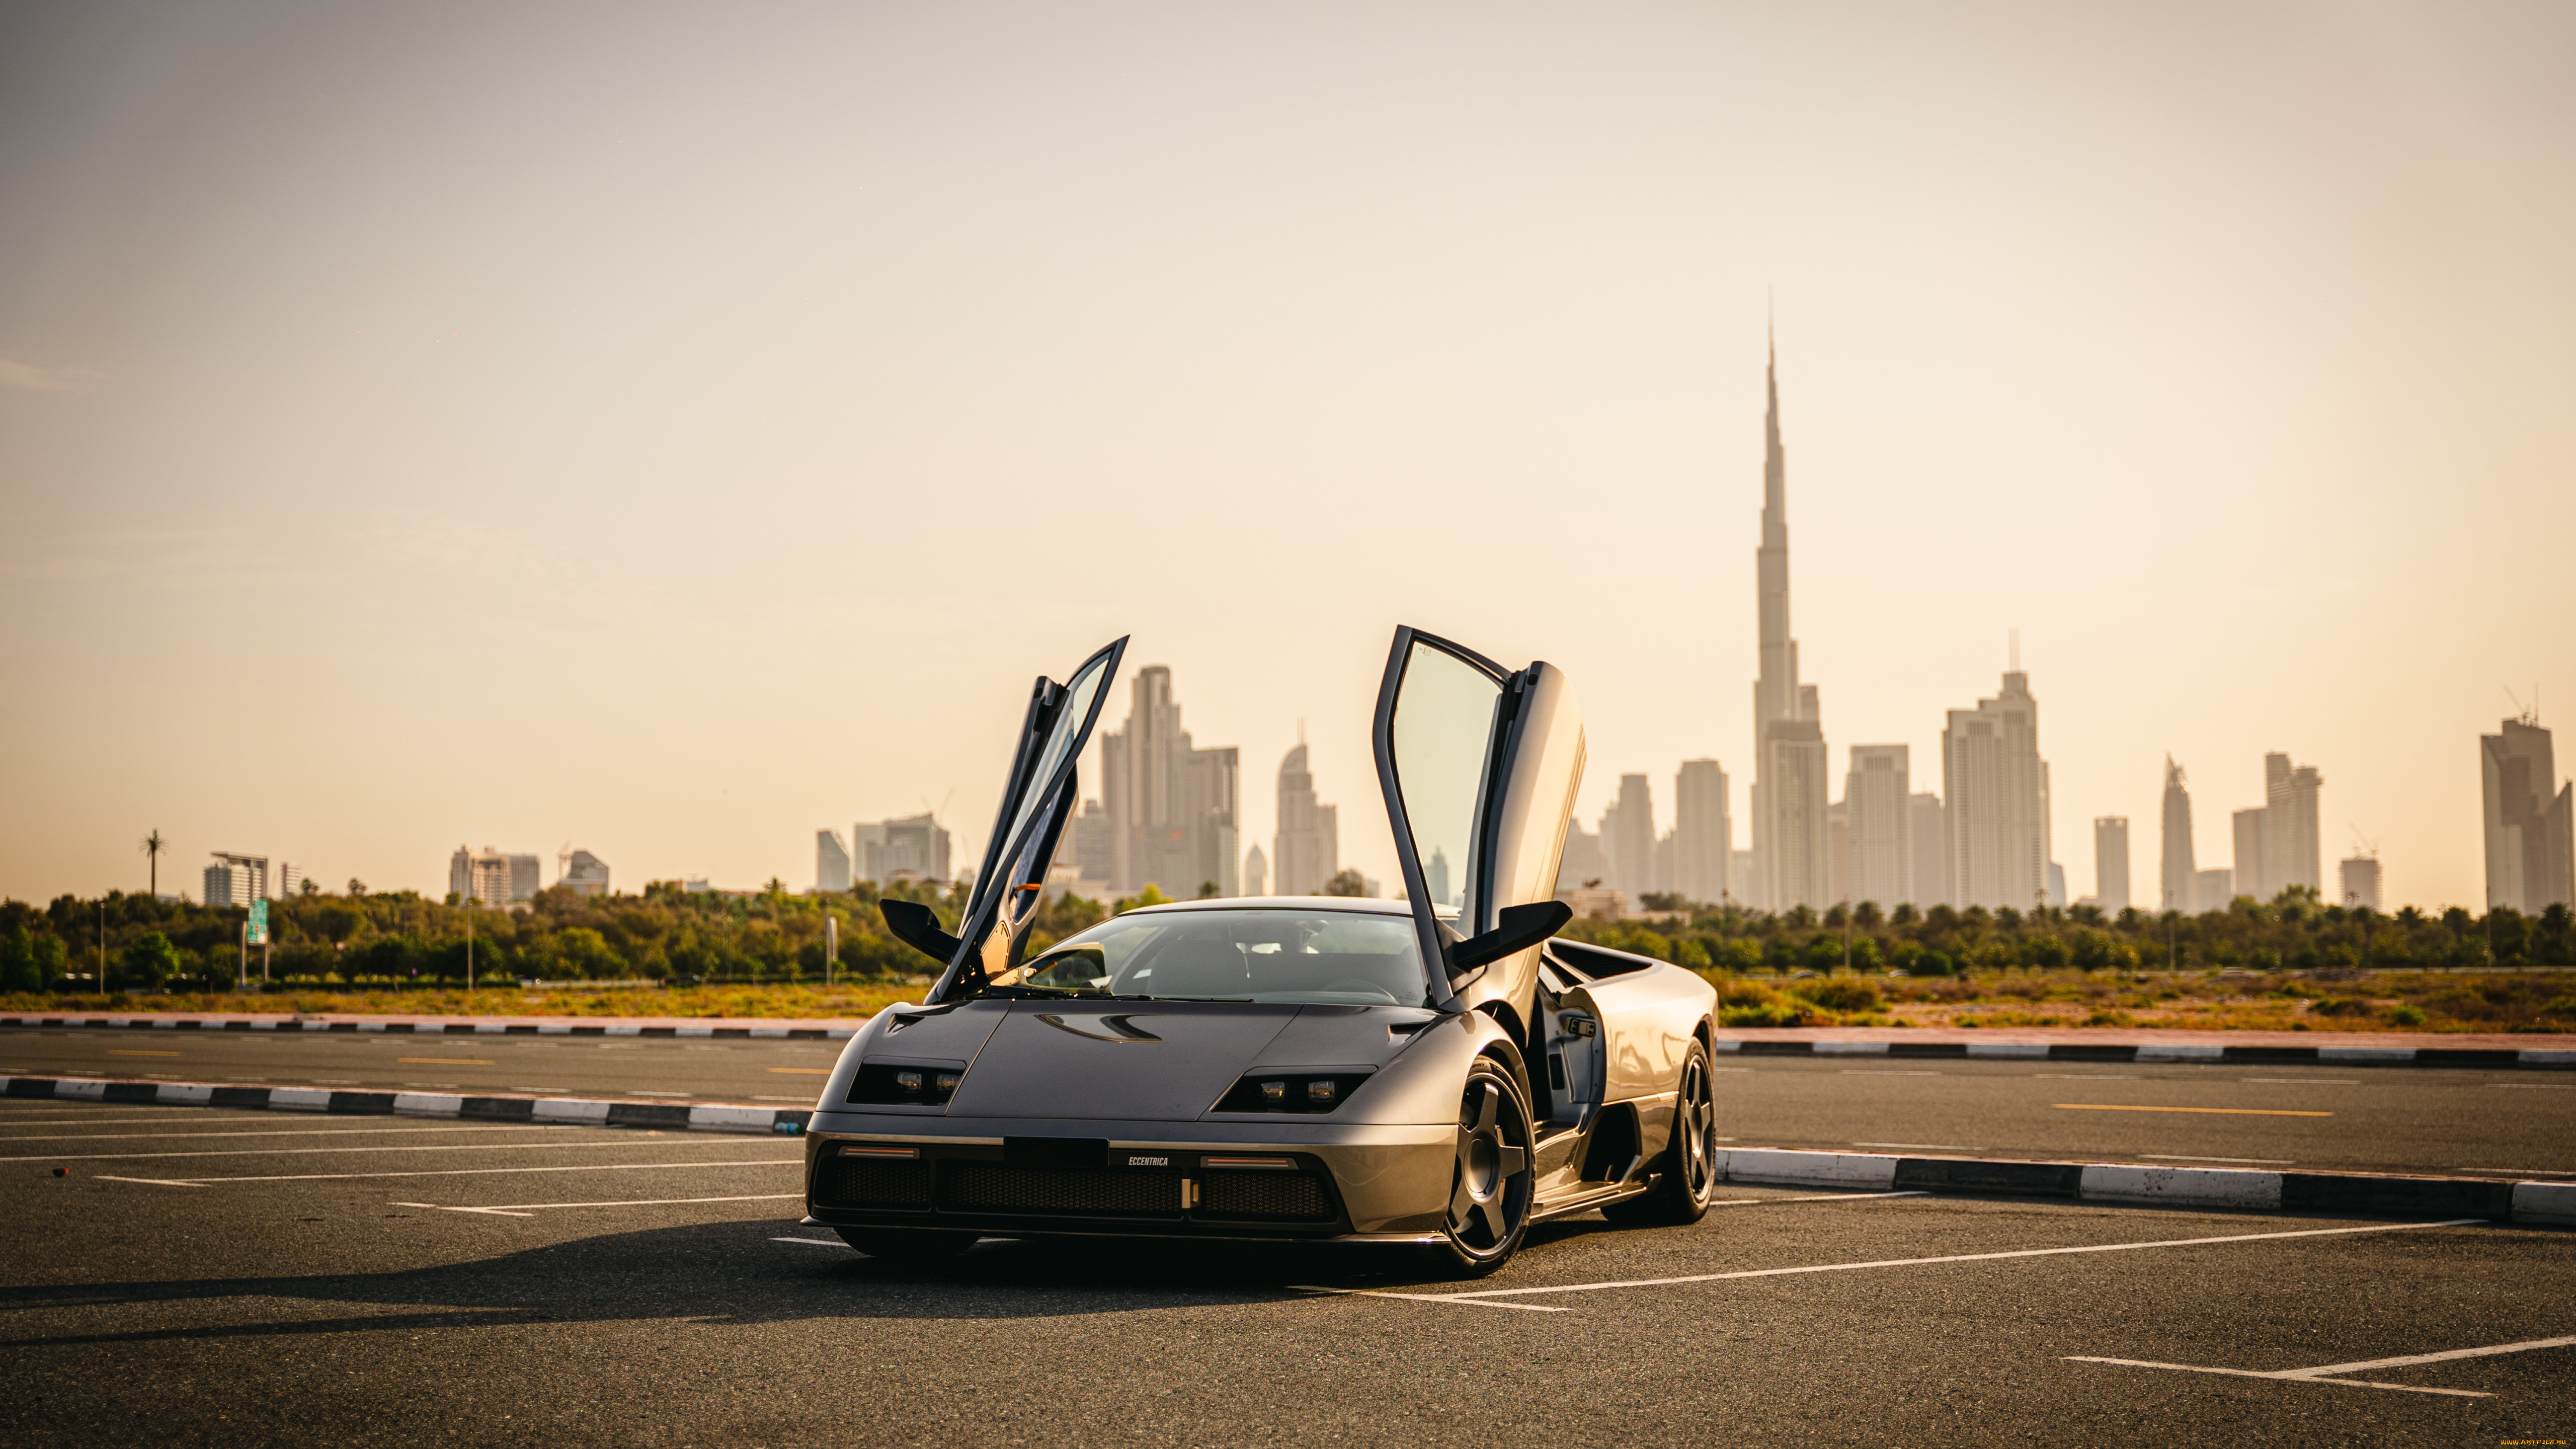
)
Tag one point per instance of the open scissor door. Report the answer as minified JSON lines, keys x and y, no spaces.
{"x":1040,"y":795}
{"x":1479,"y":765}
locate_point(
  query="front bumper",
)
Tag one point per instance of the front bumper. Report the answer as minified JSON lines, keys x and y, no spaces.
{"x":1021,"y":1176}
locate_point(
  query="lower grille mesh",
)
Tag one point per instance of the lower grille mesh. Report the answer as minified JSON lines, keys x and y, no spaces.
{"x":852,"y":1182}
{"x":1265,"y":1195}
{"x":991,"y":1187}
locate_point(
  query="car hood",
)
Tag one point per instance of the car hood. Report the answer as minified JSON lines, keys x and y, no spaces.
{"x":1153,"y":1060}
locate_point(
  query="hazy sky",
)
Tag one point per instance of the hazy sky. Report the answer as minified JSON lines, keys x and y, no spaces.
{"x":675,"y":428}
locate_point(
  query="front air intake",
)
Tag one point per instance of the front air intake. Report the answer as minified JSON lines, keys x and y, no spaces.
{"x":863,"y":1182}
{"x":1277,"y":1196}
{"x":992,"y":1187}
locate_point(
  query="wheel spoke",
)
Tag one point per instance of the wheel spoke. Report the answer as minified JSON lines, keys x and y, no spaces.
{"x":1514,"y":1160}
{"x":1490,"y":1109}
{"x":1492,"y":1213}
{"x":1462,"y":1207}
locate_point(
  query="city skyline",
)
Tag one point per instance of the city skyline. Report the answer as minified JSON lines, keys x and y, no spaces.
{"x":285,"y":329}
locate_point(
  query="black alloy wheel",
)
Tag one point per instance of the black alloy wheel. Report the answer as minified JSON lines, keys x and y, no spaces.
{"x":908,"y":1245}
{"x":1490,"y":1179}
{"x":1686,"y":1173}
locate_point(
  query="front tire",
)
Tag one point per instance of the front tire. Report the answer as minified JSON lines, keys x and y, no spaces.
{"x":907,"y":1245}
{"x":1490,"y":1178}
{"x":1687,"y":1173}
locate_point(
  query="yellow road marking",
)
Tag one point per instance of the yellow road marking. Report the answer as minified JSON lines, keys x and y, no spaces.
{"x":114,"y":1052}
{"x":450,"y":1061}
{"x":803,"y":1071}
{"x":2219,"y":1111}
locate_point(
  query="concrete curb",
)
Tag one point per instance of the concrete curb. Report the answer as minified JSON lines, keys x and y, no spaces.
{"x":570,"y":1111}
{"x":2267,"y":1056}
{"x":2541,"y":1203}
{"x":798,"y":1030}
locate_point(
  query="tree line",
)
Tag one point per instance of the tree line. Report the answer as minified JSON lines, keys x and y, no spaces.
{"x":122,"y":941}
{"x":2292,"y":931}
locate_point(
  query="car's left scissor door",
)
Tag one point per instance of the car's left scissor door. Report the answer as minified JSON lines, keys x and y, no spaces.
{"x":1035,"y":803}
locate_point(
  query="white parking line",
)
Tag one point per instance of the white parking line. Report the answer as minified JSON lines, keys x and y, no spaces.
{"x":289,"y":1132}
{"x":166,"y":1114}
{"x":2536,"y":1086}
{"x":1882,"y":1072}
{"x":2333,"y":1373}
{"x":813,"y":1242}
{"x":2306,"y":1081}
{"x":448,"y":1172}
{"x":1483,"y":1298}
{"x":1919,"y":1146}
{"x":529,"y":1209}
{"x":655,"y":1138}
{"x":2186,"y":1157}
{"x":1819,"y":1197}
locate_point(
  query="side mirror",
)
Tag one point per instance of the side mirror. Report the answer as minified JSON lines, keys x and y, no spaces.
{"x":1520,"y":928}
{"x":917,"y":926}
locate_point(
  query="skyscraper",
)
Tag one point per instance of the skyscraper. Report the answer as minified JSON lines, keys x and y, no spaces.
{"x":1838,"y":852}
{"x":1256,"y":872}
{"x":1992,"y":774}
{"x":913,"y":845}
{"x":2111,"y":863}
{"x":831,"y":861}
{"x":2250,"y":879}
{"x":1929,"y":825}
{"x":1790,"y":834}
{"x":2531,"y":847}
{"x":2179,"y":880}
{"x":2360,"y":879}
{"x":2293,"y":850}
{"x":1306,"y":851}
{"x":1703,"y":832}
{"x":236,"y":880}
{"x":1796,"y":864}
{"x":492,"y":877}
{"x":583,"y":873}
{"x":1172,"y":806}
{"x":1877,"y":795}
{"x":1631,"y":837}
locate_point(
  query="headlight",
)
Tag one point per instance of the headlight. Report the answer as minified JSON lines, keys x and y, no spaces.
{"x":1290,"y":1091}
{"x":905,"y":1084}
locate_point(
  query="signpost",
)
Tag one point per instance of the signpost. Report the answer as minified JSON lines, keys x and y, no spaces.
{"x":255,"y":933}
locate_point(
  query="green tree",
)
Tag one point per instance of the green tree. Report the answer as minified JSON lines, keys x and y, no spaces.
{"x":148,"y":960}
{"x":18,"y":970}
{"x":1346,"y":882}
{"x":153,"y":846}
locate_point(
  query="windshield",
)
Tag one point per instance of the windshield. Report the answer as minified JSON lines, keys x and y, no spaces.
{"x":1326,"y":957}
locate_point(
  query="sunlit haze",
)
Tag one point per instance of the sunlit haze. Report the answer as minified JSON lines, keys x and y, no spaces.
{"x":674,"y":430}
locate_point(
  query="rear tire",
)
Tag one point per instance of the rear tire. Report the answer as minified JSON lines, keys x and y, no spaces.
{"x":907,"y":1245}
{"x":1686,"y":1174}
{"x":1490,"y":1179}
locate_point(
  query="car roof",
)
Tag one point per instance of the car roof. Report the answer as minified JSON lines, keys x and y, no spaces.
{"x":1363,"y":905}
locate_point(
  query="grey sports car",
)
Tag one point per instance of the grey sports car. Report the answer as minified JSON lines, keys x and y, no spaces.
{"x":1435,"y":1070}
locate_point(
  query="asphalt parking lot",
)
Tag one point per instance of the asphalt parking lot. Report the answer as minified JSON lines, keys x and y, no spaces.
{"x":384,"y":1281}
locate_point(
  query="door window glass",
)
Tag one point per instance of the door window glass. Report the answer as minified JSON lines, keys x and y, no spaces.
{"x":1061,"y":739}
{"x":1443,"y":736}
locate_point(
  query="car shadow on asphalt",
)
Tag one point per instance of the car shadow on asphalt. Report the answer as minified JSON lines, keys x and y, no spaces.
{"x":735,"y":1273}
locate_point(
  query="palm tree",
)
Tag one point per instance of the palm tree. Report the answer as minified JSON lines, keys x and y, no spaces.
{"x":152,"y":847}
